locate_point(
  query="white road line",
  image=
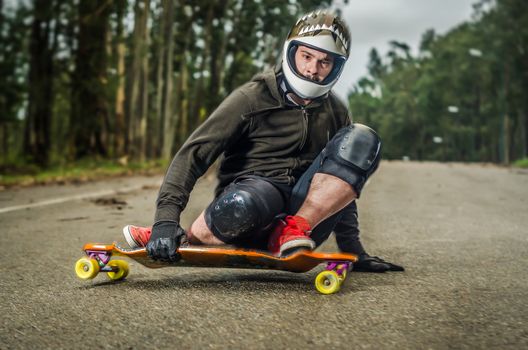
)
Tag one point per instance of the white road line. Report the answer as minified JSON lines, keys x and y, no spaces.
{"x":69,"y":198}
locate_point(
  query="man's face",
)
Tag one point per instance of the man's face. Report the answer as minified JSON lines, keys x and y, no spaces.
{"x":313,"y":64}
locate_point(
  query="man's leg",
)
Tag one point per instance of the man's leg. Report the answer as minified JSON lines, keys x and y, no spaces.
{"x":334,"y":180}
{"x":199,"y":232}
{"x":239,"y":215}
{"x":327,"y":196}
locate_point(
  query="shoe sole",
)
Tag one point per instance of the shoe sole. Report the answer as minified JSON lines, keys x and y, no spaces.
{"x":130,"y":240}
{"x":297,"y":243}
{"x":292,"y":251}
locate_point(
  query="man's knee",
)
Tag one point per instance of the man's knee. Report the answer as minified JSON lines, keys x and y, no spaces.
{"x":352,"y":155}
{"x":233,"y":214}
{"x":199,"y":232}
{"x":242,"y":209}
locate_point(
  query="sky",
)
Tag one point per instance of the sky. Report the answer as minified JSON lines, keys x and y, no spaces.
{"x":374,"y":23}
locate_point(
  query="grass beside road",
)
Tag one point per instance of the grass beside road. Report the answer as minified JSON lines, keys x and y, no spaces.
{"x":521,"y":163}
{"x":93,"y":169}
{"x":82,"y":171}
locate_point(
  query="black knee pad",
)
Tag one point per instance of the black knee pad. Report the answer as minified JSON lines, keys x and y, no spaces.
{"x":352,"y":155}
{"x":243,"y":208}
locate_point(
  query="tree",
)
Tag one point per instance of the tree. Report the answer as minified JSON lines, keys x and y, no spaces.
{"x":164,"y":126}
{"x":43,"y":43}
{"x":119,"y":51}
{"x":108,"y":91}
{"x":13,"y":85}
{"x":137,"y":81}
{"x":89,"y":112}
{"x":466,"y":88}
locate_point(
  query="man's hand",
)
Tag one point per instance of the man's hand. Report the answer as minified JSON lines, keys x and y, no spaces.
{"x":164,"y":242}
{"x":367,"y":263}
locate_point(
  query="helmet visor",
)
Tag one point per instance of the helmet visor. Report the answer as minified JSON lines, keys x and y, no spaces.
{"x":337,"y":67}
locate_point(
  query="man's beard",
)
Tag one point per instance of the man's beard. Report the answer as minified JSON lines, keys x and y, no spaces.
{"x":314,"y":78}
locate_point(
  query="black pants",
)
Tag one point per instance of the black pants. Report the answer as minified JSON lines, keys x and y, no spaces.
{"x":276,"y":199}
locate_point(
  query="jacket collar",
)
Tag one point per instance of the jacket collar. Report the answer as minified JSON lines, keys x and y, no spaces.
{"x":276,"y":98}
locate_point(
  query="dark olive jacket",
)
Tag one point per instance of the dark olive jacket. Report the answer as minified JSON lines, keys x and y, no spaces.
{"x":257,"y":133}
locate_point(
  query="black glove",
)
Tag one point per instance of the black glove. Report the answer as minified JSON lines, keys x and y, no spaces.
{"x":367,"y":263}
{"x":164,"y":242}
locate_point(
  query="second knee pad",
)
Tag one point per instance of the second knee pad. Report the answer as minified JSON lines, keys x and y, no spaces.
{"x":352,"y":155}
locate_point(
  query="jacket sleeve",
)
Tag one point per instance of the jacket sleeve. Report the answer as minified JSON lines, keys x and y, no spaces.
{"x":222,"y":129}
{"x":347,"y":231}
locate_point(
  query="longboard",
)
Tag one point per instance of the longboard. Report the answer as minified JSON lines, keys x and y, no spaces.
{"x":99,"y":257}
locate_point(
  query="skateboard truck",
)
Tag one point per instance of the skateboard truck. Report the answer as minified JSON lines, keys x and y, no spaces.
{"x":99,"y":261}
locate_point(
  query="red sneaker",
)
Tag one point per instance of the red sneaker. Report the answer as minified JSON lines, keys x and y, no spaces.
{"x":137,"y":237}
{"x":292,"y":233}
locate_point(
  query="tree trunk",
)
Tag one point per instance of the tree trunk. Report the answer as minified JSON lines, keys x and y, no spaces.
{"x":216,"y":63}
{"x":138,"y":82}
{"x":120,"y":49}
{"x":182,"y":38}
{"x":524,"y":127}
{"x":5,"y":140}
{"x":89,"y":105}
{"x":37,"y":138}
{"x":506,"y":117}
{"x":155,"y":134}
{"x":168,"y":120}
{"x":198,"y":101}
{"x":143,"y":118}
{"x":2,"y":14}
{"x":184,"y":103}
{"x":162,"y":126}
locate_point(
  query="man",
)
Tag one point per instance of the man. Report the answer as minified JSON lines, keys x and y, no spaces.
{"x":288,"y":147}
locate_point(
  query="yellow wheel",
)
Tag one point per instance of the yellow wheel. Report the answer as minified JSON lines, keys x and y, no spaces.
{"x":327,"y":282}
{"x":86,"y":268}
{"x":122,"y":270}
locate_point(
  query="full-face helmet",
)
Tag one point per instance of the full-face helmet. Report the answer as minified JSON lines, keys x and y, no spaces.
{"x":322,"y":31}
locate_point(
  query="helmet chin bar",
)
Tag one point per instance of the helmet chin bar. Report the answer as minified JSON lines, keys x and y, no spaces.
{"x":304,"y":88}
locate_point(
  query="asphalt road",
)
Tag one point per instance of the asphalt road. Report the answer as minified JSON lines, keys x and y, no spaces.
{"x":461,"y":231}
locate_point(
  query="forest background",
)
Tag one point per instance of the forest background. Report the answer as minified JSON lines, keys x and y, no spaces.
{"x":125,"y":82}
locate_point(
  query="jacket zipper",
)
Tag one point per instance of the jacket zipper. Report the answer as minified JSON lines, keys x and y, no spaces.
{"x":304,"y":127}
